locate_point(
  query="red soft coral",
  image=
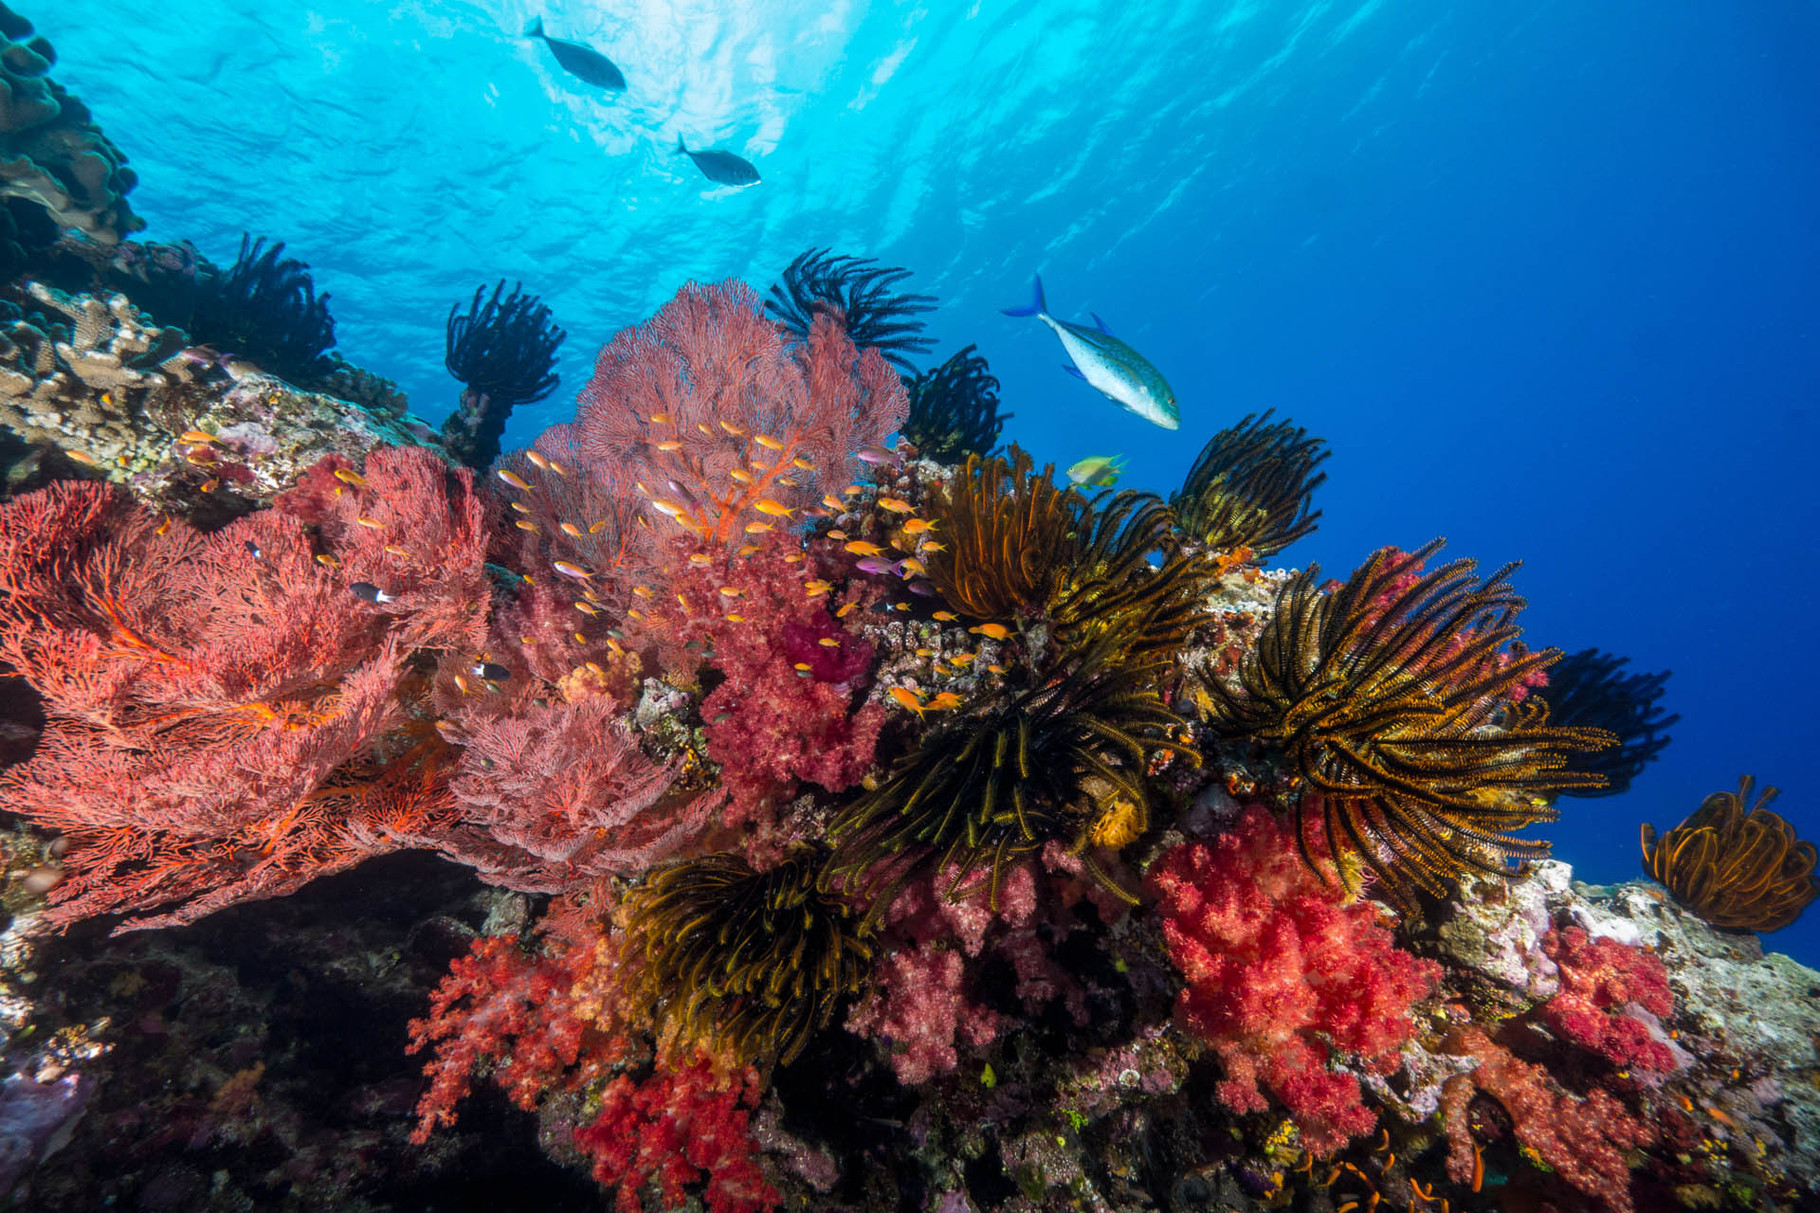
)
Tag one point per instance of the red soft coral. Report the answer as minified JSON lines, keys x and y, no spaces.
{"x":542,"y":1017}
{"x":680,"y":1126}
{"x":1602,"y":981}
{"x":1584,"y":1140}
{"x":1282,"y":975}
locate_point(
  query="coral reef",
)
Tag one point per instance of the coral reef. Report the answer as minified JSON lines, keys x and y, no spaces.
{"x":858,"y":294}
{"x":831,"y":826}
{"x":503,"y":352}
{"x":1399,"y":704}
{"x":1739,"y":868}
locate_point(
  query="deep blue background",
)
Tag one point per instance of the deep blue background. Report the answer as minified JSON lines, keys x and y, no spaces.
{"x":1543,"y":274}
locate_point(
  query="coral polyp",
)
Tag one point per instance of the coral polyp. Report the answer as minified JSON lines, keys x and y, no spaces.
{"x":1735,"y":863}
{"x":1400,"y":700}
{"x":747,"y":964}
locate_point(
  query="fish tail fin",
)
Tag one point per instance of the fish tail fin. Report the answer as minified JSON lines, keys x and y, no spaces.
{"x":1036,"y":307}
{"x":535,"y":28}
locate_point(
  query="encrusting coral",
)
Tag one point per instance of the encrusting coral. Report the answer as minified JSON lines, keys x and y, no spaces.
{"x":1735,"y":863}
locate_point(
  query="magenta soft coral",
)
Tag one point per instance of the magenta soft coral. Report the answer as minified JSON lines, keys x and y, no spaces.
{"x":680,"y":1126}
{"x":1282,"y":976}
{"x":1600,"y":980}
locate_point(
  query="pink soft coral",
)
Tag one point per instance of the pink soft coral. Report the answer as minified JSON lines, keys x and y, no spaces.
{"x":1601,"y":980}
{"x":1282,"y":976}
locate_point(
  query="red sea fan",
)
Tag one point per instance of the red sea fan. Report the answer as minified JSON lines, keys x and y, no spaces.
{"x":1283,"y":975}
{"x":717,"y":422}
{"x":221,"y":711}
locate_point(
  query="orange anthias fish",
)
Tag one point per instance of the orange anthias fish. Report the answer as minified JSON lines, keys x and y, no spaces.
{"x":896,"y":505}
{"x":918,"y":526}
{"x":906,"y":698}
{"x":993,"y":631}
{"x":767,"y":506}
{"x":943,"y":702}
{"x":860,"y":547}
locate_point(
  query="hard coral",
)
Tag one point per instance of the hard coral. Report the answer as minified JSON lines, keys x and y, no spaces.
{"x":1284,"y":977}
{"x":1395,"y":697}
{"x":1741,"y":870}
{"x":57,"y":171}
{"x":1600,"y":979}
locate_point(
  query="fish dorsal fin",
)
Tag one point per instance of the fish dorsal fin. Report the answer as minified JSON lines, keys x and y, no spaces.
{"x":1101,"y":324}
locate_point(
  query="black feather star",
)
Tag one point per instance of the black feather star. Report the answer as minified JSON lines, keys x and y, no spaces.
{"x":504,"y":353}
{"x":265,"y":308}
{"x":863,"y":294}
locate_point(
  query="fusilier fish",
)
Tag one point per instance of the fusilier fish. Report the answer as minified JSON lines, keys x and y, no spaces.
{"x":1122,"y":375}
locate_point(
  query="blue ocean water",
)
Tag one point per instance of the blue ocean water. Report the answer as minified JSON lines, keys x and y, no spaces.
{"x":1543,"y":275}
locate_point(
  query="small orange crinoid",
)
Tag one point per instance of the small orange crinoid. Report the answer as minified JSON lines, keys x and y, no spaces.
{"x":1739,"y":869}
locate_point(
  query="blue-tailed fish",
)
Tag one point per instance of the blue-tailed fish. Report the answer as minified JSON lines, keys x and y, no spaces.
{"x":1097,"y":471}
{"x":1122,"y":374}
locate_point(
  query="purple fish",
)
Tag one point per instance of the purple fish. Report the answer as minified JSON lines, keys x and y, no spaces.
{"x":921,"y":588}
{"x":873,"y":564}
{"x":875,"y":455}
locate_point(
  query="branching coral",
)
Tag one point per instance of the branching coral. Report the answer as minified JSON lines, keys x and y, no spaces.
{"x":1739,"y":869}
{"x":503,"y":351}
{"x":859,"y":295}
{"x":744,"y":963}
{"x":1051,"y":761}
{"x":265,"y":309}
{"x":1282,"y":974}
{"x":1252,"y":486}
{"x":1393,"y":696}
{"x":954,"y":410}
{"x":1589,"y":688}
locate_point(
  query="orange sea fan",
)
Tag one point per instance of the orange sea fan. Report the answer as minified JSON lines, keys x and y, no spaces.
{"x":1739,"y":869}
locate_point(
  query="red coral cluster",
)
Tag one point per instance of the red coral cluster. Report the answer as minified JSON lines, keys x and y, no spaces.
{"x":1602,"y":979}
{"x":1584,"y":1140}
{"x":680,"y":1126}
{"x":1284,"y":978}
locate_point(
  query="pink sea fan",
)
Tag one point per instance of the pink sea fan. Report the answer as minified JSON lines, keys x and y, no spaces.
{"x":561,"y":794}
{"x":709,"y":387}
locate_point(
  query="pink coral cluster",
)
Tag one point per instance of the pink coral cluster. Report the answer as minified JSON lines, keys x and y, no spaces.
{"x":1284,"y":978}
{"x":1603,"y":984}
